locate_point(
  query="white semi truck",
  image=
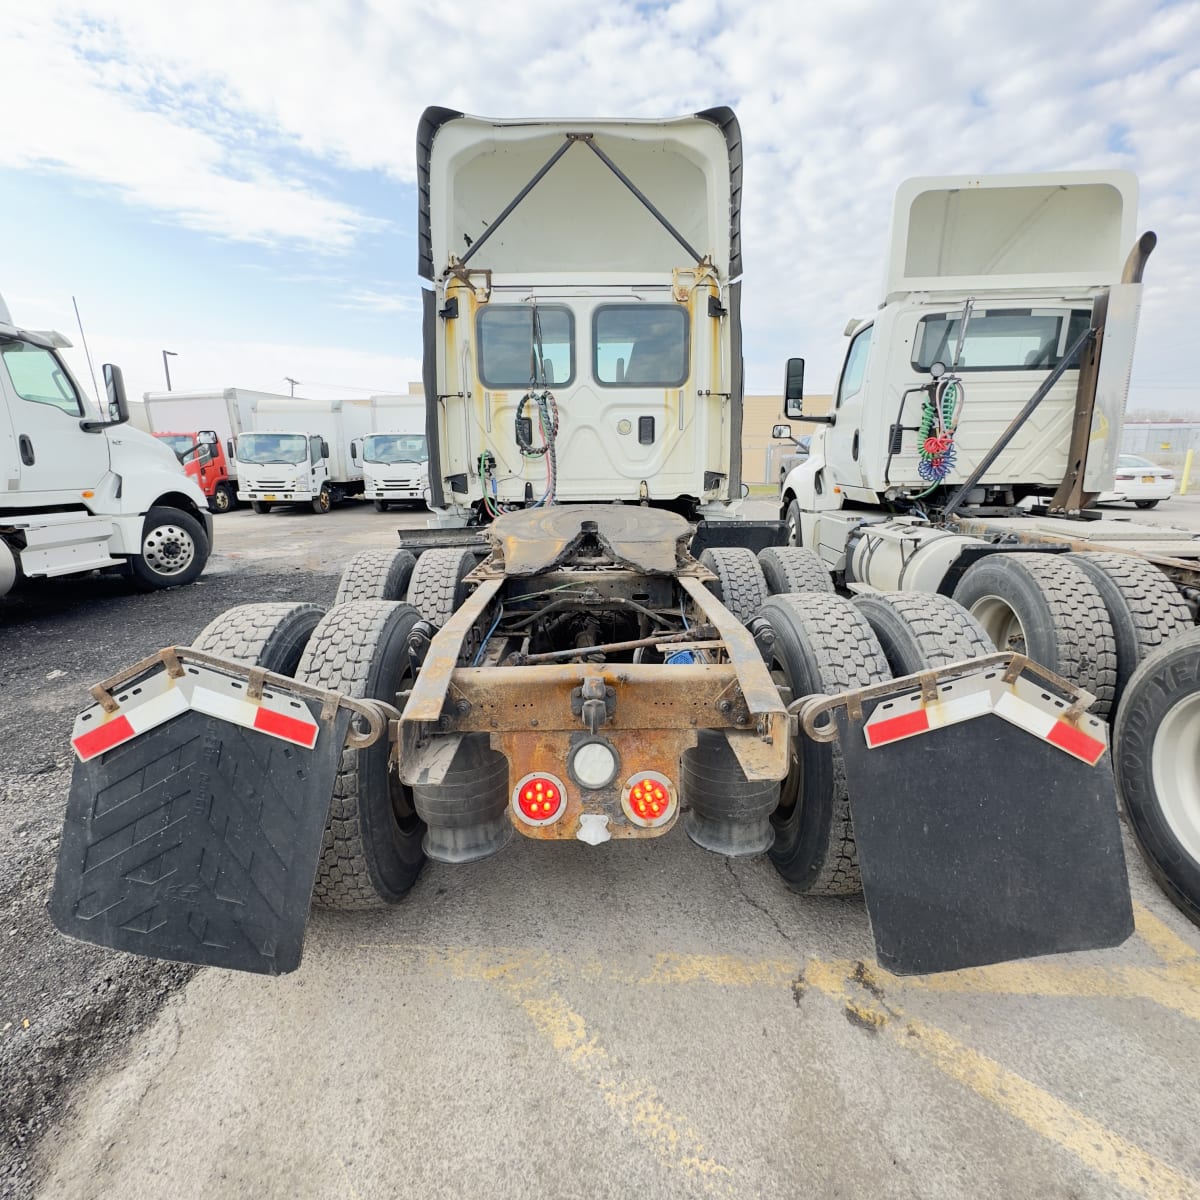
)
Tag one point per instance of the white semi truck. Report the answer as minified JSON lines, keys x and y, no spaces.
{"x":976,"y":420}
{"x":83,"y":491}
{"x":302,"y":452}
{"x":395,"y":454}
{"x":591,"y":674}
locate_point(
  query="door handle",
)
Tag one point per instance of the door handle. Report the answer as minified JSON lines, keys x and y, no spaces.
{"x":26,"y":450}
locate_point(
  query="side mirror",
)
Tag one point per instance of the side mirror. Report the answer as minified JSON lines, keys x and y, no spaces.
{"x":324,"y":448}
{"x":231,"y":449}
{"x":207,"y":437}
{"x":793,"y":386}
{"x":354,"y":445}
{"x":114,"y":387}
{"x":781,"y":431}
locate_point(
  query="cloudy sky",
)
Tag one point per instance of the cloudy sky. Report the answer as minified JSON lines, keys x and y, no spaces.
{"x":235,"y":181}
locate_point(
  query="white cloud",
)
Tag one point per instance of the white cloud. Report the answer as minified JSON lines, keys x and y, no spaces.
{"x":187,"y":110}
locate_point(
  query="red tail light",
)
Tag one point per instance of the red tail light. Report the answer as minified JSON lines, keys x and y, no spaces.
{"x":648,"y":799}
{"x":539,"y":799}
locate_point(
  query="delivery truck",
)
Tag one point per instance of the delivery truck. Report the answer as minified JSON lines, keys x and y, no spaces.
{"x":198,"y":426}
{"x":395,"y":455}
{"x":302,"y":452}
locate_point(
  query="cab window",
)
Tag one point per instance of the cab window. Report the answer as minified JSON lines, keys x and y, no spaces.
{"x":37,"y":376}
{"x":508,"y":337}
{"x":640,"y":345}
{"x":856,"y":365}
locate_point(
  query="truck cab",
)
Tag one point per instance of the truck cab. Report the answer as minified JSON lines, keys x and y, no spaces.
{"x":992,"y":279}
{"x":204,"y":460}
{"x":582,"y":331}
{"x":395,"y":468}
{"x":83,"y":491}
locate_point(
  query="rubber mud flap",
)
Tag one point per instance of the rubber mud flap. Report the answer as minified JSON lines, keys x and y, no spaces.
{"x":979,"y":843}
{"x":198,"y":842}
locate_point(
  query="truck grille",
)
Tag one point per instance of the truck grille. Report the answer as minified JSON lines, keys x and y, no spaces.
{"x":277,"y":484}
{"x":401,"y":483}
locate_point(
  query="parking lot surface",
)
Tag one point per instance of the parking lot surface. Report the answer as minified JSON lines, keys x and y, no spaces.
{"x":635,"y":1018}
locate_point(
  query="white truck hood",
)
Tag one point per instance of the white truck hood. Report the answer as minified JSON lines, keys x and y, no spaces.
{"x":579,"y":216}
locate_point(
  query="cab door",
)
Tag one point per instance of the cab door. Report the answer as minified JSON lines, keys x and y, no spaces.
{"x":844,"y":441}
{"x":58,"y":460}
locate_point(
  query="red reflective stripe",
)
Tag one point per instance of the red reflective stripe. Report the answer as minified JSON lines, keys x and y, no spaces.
{"x":301,"y":732}
{"x":1075,"y":741}
{"x":103,"y":737}
{"x":897,"y":727}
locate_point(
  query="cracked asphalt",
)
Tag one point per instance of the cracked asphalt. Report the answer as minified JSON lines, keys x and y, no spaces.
{"x":572,"y":1021}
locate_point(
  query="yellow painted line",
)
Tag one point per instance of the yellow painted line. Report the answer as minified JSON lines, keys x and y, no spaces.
{"x":1165,"y":942}
{"x":523,"y":976}
{"x":349,"y":1182}
{"x":1097,"y":1147}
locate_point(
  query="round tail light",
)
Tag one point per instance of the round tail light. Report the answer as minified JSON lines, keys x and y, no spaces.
{"x":539,"y":799}
{"x":648,"y":799}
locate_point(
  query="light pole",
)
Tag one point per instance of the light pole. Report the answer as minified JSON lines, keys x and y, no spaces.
{"x":293,"y":382}
{"x":167,"y":366}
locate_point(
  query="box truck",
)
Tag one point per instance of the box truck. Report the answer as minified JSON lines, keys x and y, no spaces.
{"x":302,"y":452}
{"x":198,"y":426}
{"x":395,"y":455}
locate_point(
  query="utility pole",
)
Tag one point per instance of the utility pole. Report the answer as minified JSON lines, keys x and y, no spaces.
{"x":293,"y":382}
{"x":167,"y":366}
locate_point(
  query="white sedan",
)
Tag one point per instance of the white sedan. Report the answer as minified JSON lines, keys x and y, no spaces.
{"x":1139,"y":480}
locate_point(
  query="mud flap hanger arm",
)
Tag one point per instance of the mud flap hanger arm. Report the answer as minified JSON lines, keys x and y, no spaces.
{"x":375,"y":713}
{"x":588,"y":140}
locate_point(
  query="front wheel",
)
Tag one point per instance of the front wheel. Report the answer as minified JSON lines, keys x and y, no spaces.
{"x":174,"y":550}
{"x":323,"y":501}
{"x":381,"y":506}
{"x":222,"y":499}
{"x":794,"y":536}
{"x":1145,"y":503}
{"x":260,"y":506}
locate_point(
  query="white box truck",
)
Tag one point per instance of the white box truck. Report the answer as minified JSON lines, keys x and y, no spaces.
{"x":395,"y":454}
{"x":83,"y":491}
{"x":199,"y":426}
{"x":302,"y":452}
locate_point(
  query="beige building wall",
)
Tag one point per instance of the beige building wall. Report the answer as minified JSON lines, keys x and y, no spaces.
{"x":759,"y":413}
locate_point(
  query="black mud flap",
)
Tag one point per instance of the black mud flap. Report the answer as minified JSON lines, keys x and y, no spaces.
{"x":988,"y":838}
{"x":198,"y":841}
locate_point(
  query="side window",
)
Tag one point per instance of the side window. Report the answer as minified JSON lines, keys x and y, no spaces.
{"x":37,"y":376}
{"x":856,"y":365}
{"x":640,"y":345}
{"x":314,"y":448}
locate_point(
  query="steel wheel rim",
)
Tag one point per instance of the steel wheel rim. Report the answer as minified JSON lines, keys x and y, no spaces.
{"x":793,"y":530}
{"x":222,"y":500}
{"x":1001,"y":623}
{"x":168,"y":550}
{"x":1175,"y":769}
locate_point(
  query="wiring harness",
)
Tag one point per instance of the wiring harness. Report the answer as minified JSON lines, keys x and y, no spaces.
{"x":935,"y":436}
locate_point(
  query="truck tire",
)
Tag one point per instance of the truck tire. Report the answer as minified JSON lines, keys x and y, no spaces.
{"x":436,"y":588}
{"x":793,"y":569}
{"x":918,"y":631}
{"x":381,"y":506}
{"x":174,"y":550}
{"x":1045,"y":606}
{"x":1145,"y":503}
{"x":371,"y":850}
{"x":1157,"y":760}
{"x":261,"y":635}
{"x":817,"y":644}
{"x":322,"y":502}
{"x":376,"y":575}
{"x":261,"y":506}
{"x":739,"y":585}
{"x":795,"y":535}
{"x":222,"y":499}
{"x":1144,"y":606}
